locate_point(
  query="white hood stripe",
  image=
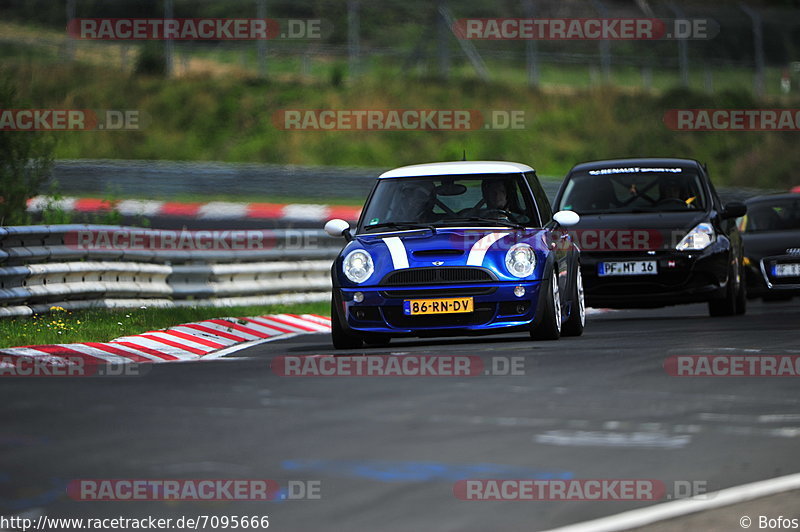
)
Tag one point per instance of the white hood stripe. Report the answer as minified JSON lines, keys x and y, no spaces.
{"x":480,"y":248}
{"x":398,"y":252}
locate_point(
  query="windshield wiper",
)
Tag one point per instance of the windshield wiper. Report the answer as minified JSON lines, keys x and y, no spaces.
{"x":400,"y":225}
{"x":508,"y":223}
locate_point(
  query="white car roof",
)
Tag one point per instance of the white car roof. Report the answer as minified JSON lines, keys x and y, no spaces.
{"x":457,"y":168}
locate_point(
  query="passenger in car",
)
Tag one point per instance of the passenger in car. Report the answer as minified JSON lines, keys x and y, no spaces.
{"x":414,"y":203}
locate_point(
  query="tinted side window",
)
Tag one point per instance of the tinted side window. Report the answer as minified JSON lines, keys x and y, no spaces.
{"x":545,"y":211}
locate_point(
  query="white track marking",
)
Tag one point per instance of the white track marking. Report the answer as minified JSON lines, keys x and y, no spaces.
{"x":26,"y":352}
{"x":203,"y":334}
{"x":305,"y":211}
{"x":670,"y":510}
{"x":269,"y":331}
{"x":135,"y":351}
{"x":243,"y":345}
{"x":322,"y":320}
{"x":217,"y":210}
{"x":159,"y":346}
{"x":270,"y":322}
{"x":582,"y":438}
{"x":139,"y":207}
{"x":98,"y":353}
{"x":183,"y":341}
{"x":38,"y":203}
{"x":223,"y":329}
{"x":305,"y":323}
{"x":138,"y":344}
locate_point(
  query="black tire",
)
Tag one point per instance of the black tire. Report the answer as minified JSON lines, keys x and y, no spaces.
{"x":339,"y":336}
{"x":549,"y":326}
{"x":577,"y":317}
{"x":741,"y":295}
{"x":727,"y":305}
{"x":377,"y":341}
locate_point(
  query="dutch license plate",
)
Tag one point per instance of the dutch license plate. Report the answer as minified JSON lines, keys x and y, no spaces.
{"x":628,"y":267}
{"x":415,"y":307}
{"x":786,"y":270}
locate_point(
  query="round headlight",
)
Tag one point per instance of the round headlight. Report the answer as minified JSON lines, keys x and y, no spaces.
{"x":358,"y":266}
{"x":520,"y":260}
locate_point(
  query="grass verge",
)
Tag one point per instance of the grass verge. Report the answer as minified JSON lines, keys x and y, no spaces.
{"x":100,"y":325}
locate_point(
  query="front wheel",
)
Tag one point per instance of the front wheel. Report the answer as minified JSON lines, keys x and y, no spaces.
{"x":727,"y":305}
{"x":340,"y":337}
{"x":741,"y":295}
{"x":577,"y":316}
{"x":549,"y":326}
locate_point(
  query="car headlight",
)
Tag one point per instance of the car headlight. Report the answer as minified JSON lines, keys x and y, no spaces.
{"x":520,"y":260}
{"x":698,"y":238}
{"x":358,"y":266}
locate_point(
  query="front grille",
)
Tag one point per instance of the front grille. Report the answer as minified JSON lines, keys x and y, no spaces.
{"x":439,"y":292}
{"x":667,"y":277}
{"x":421,"y":276}
{"x":482,"y":314}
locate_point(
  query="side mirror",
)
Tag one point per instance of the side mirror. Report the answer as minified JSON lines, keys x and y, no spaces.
{"x":734,"y":209}
{"x":337,"y":228}
{"x":566,"y":218}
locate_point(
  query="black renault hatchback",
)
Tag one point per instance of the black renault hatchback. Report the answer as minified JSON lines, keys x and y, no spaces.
{"x":652,"y":233}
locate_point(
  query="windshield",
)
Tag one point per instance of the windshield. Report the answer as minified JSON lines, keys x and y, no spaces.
{"x":449,"y":200}
{"x":776,"y":215}
{"x":613,"y":190}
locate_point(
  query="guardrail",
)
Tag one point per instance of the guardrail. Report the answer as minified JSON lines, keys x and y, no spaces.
{"x":46,"y":266}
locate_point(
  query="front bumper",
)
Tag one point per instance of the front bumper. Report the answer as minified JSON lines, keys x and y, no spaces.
{"x":683,"y":277}
{"x":495,"y":307}
{"x":761,"y":281}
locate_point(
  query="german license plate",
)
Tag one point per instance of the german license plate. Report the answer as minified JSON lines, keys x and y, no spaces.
{"x":415,"y":307}
{"x":786,"y":270}
{"x":628,"y":267}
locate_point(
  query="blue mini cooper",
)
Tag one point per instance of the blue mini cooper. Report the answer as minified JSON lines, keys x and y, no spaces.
{"x":456,"y":248}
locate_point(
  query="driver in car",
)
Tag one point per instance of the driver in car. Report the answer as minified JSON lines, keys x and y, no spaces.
{"x":416,"y":201}
{"x":672,"y":192}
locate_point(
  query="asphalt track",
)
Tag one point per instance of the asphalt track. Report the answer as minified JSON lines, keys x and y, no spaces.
{"x":388,"y":450}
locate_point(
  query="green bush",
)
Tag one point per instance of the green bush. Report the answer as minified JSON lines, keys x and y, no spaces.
{"x":152,"y":60}
{"x":206,"y":118}
{"x":25,"y":161}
